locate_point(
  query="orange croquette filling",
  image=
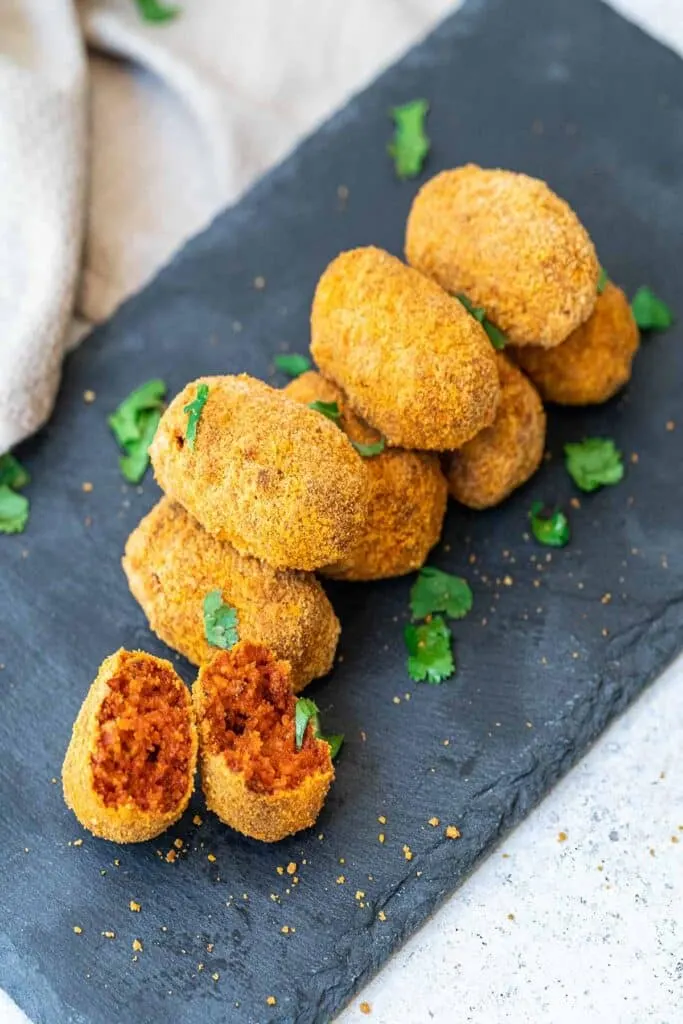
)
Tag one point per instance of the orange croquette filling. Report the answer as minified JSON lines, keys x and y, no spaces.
{"x":250,"y":715}
{"x":144,"y":744}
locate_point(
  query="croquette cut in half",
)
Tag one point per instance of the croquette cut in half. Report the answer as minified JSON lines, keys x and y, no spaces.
{"x":505,"y":455}
{"x":509,"y":244}
{"x":408,"y":495}
{"x":276,"y":480}
{"x":129,"y":768}
{"x":411,"y":361}
{"x":253,"y":776}
{"x":594,"y":362}
{"x":172,"y":564}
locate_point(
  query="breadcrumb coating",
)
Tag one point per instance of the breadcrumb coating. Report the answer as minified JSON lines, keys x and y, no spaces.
{"x":278,"y":481}
{"x":511,"y":245}
{"x":171,"y":564}
{"x":411,"y":360}
{"x":253,"y":776}
{"x":505,"y":455}
{"x":594,"y":362}
{"x":408,"y":494}
{"x":129,"y":769}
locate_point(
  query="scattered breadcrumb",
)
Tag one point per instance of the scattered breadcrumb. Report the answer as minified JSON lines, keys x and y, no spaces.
{"x":407,"y":852}
{"x":196,"y":820}
{"x":291,"y":868}
{"x":87,"y":487}
{"x":178,"y":843}
{"x":365,"y":1008}
{"x":382,"y":916}
{"x":575,"y":503}
{"x":562,"y":837}
{"x":215,"y":975}
{"x":135,"y":907}
{"x":170,"y":856}
{"x":606,"y":598}
{"x":280,"y":870}
{"x":360,"y":895}
{"x":259,"y":282}
{"x":452,"y":832}
{"x":77,"y":842}
{"x":211,"y":857}
{"x":434,"y":821}
{"x":670,"y":425}
{"x":89,"y":396}
{"x":382,"y":819}
{"x":271,"y":1000}
{"x":381,"y":837}
{"x":78,"y":929}
{"x":109,"y":935}
{"x":341,"y":879}
{"x":137,"y":945}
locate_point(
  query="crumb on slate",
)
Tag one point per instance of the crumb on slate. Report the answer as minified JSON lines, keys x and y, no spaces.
{"x":137,"y":945}
{"x":135,"y":907}
{"x":452,"y":832}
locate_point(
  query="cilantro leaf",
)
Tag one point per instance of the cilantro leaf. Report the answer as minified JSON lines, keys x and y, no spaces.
{"x":12,"y":473}
{"x":549,"y":527}
{"x":329,"y":409}
{"x":292,"y":363}
{"x":368,"y":450}
{"x":496,"y":336}
{"x":430,"y":658}
{"x":194,"y":412}
{"x":126,"y":423}
{"x":156,"y":11}
{"x":410,"y":144}
{"x":134,"y":463}
{"x":334,"y":743}
{"x":478,"y":312}
{"x":306,"y":709}
{"x":602,"y":280}
{"x":220,"y":621}
{"x":437,"y":591}
{"x":13,"y":510}
{"x":650,"y":313}
{"x":594,"y":462}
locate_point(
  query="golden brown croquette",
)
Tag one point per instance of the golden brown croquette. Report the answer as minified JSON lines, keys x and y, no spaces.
{"x":172,"y":564}
{"x":511,"y":245}
{"x":505,"y":455}
{"x":407,"y":490}
{"x":253,"y":776}
{"x":129,"y":769}
{"x":594,"y":362}
{"x":411,"y":360}
{"x":278,"y":481}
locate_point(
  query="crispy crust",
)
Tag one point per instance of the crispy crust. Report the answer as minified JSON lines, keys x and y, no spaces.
{"x":504,"y":456}
{"x":408,"y":494}
{"x":277,"y":481}
{"x":171,"y":564}
{"x":268,"y":816}
{"x":594,"y":362}
{"x":511,"y":245}
{"x":128,"y":823}
{"x":411,"y":360}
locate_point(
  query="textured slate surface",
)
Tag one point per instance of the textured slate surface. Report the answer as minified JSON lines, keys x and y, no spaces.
{"x":565,"y":91}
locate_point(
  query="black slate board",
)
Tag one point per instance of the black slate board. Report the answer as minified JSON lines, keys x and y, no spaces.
{"x":571,"y":93}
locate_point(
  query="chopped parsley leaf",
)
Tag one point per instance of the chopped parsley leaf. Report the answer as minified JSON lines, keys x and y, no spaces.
{"x":602,"y":280}
{"x":430,"y":658}
{"x":549,"y":527}
{"x":334,"y":742}
{"x":126,"y":422}
{"x":156,"y":11}
{"x":410,"y":144}
{"x":13,"y":510}
{"x":307,"y":711}
{"x":368,"y":450}
{"x":134,"y":464}
{"x":292,"y":363}
{"x":12,"y":473}
{"x":594,"y":462}
{"x":496,"y":336}
{"x":329,"y":409}
{"x":220,"y":621}
{"x":650,"y":313}
{"x":437,"y":591}
{"x":194,"y":412}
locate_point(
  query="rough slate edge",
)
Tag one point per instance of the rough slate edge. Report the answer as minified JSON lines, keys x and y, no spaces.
{"x":357,"y":954}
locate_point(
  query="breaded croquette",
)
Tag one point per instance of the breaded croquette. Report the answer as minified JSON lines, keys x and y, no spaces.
{"x":505,"y":455}
{"x":594,"y":362}
{"x":408,"y":495}
{"x":411,"y":360}
{"x":172,"y":564}
{"x":253,"y":776}
{"x":278,"y":481}
{"x":509,"y":244}
{"x":129,"y":768}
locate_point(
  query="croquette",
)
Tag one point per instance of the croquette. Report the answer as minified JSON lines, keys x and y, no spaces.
{"x":505,"y":455}
{"x":276,"y":480}
{"x":129,"y":769}
{"x":253,"y":776}
{"x":412,"y":362}
{"x":408,"y":494}
{"x":509,"y":244}
{"x":172,"y":564}
{"x":594,"y":362}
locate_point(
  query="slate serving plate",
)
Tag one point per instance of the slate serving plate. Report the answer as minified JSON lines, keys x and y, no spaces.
{"x":571,"y":93}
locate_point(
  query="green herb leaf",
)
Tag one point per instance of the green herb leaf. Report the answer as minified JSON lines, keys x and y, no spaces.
{"x":410,"y":144}
{"x":594,"y":462}
{"x":292,"y":363}
{"x":127,"y":422}
{"x":306,"y":709}
{"x":549,"y":527}
{"x":13,"y":510}
{"x":437,"y":591}
{"x":334,"y":742}
{"x":478,"y":312}
{"x":12,"y":473}
{"x":134,"y":463}
{"x":430,"y":658}
{"x":602,"y":280}
{"x":220,"y":621}
{"x":194,"y":412}
{"x":157,"y":12}
{"x":329,"y":409}
{"x":650,"y":313}
{"x":496,"y":336}
{"x":368,"y":450}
